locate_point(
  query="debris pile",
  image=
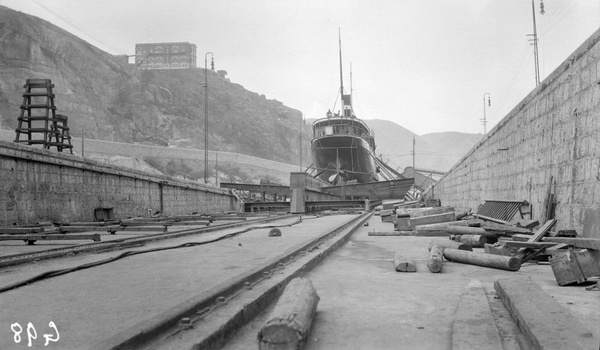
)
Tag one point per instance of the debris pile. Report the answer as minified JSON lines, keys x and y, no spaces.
{"x":503,"y":234}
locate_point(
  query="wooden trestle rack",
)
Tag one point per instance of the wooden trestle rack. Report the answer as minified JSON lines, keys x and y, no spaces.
{"x":39,"y":120}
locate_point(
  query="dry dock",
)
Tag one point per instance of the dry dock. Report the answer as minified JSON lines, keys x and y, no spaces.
{"x":365,"y":303}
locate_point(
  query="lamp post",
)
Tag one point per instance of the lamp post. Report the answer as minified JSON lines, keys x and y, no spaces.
{"x":484,"y":120}
{"x":206,"y":115}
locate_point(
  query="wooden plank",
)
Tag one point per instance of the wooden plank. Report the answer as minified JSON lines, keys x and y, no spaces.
{"x":456,"y":230}
{"x":483,"y":259}
{"x":537,"y":236}
{"x":443,"y":225}
{"x":507,"y":229}
{"x":534,"y":245}
{"x":546,"y":323}
{"x":432,"y":211}
{"x":404,"y":264}
{"x":289,"y":323}
{"x":584,"y":243}
{"x":432,"y":219}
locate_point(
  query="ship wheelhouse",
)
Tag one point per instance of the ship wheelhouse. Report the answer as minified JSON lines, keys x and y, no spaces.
{"x":341,"y":126}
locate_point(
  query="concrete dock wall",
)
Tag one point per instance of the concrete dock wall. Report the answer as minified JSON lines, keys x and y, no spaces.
{"x":45,"y":185}
{"x":554,"y":131}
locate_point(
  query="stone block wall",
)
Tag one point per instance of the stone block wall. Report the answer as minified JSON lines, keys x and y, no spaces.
{"x":44,"y":185}
{"x":554,"y":131}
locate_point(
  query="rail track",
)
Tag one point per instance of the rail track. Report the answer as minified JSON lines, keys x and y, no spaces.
{"x":128,"y":242}
{"x":191,"y":324}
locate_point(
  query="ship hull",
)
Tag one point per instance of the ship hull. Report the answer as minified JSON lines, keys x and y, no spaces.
{"x":350,"y":154}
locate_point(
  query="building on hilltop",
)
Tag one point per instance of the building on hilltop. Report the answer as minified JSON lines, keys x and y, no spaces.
{"x":165,"y":55}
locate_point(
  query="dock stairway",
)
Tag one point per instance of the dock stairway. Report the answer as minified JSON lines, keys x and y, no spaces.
{"x":38,"y":119}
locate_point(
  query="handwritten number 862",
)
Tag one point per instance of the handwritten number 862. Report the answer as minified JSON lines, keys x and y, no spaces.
{"x":32,"y":333}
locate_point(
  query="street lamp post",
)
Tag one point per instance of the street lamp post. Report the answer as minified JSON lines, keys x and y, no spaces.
{"x":484,"y":120}
{"x":206,"y":116}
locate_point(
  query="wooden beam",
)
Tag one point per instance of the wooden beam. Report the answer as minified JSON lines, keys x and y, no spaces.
{"x":534,"y":245}
{"x":50,"y":237}
{"x":584,"y":243}
{"x":537,"y":236}
{"x":446,"y":243}
{"x":289,"y":323}
{"x":435,"y":261}
{"x":483,"y":259}
{"x":404,"y":264}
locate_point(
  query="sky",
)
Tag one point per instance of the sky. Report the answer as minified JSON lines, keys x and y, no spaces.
{"x":425,"y":65}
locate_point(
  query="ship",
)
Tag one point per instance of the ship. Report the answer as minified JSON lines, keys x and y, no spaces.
{"x":343,"y":147}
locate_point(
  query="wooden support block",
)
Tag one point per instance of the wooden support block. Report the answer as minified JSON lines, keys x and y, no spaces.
{"x":404,"y":264}
{"x":386,"y":233}
{"x":585,"y":243}
{"x":446,"y":243}
{"x":432,"y":219}
{"x":289,"y":323}
{"x":461,"y":214}
{"x":50,"y":237}
{"x":483,"y":259}
{"x":386,"y":212}
{"x":19,"y":230}
{"x":67,"y":229}
{"x":520,"y":238}
{"x":497,"y":250}
{"x":145,"y":223}
{"x":525,"y":223}
{"x":574,"y":266}
{"x":145,"y":228}
{"x":187,"y":223}
{"x":435,"y":261}
{"x":472,"y":240}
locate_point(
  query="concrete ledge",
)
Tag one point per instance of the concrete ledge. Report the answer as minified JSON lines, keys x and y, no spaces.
{"x":545,"y":323}
{"x":474,"y":326}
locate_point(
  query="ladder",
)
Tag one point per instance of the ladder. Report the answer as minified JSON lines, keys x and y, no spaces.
{"x":38,"y":119}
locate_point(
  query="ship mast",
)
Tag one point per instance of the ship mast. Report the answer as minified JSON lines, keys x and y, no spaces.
{"x":341,"y":75}
{"x":346,"y":99}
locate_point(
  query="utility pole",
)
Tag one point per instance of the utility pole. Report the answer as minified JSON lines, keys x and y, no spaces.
{"x":535,"y":41}
{"x":413,"y":156}
{"x":484,"y":120}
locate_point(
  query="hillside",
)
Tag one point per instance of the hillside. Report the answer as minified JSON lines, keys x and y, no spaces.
{"x":109,"y":99}
{"x":438,"y":151}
